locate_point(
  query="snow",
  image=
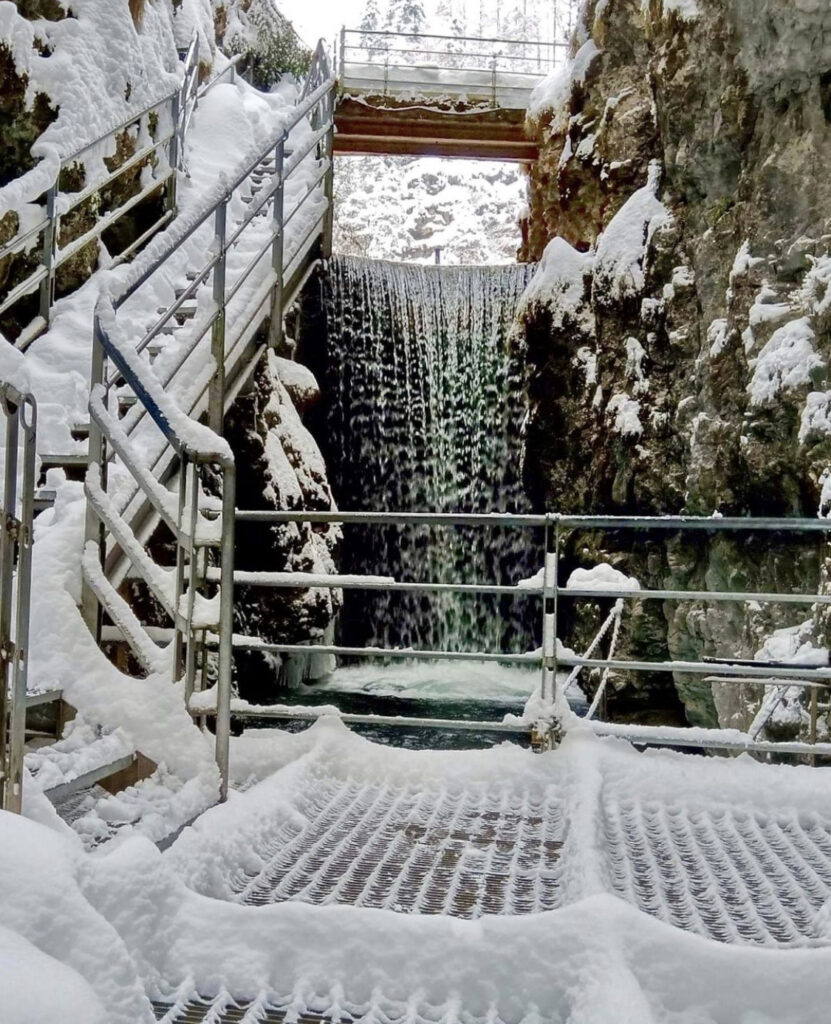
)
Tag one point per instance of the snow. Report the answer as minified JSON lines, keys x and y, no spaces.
{"x":815,"y":422}
{"x":618,"y":267}
{"x":788,"y":360}
{"x":27,"y":1000}
{"x":560,"y":285}
{"x":717,"y":337}
{"x":743,"y":262}
{"x":624,"y":412}
{"x":601,"y":577}
{"x":793,"y":645}
{"x":142,"y":921}
{"x":687,"y":10}
{"x":404,"y":208}
{"x":554,"y":93}
{"x":98,"y":53}
{"x":434,"y":681}
{"x":512,"y":90}
{"x":635,"y":354}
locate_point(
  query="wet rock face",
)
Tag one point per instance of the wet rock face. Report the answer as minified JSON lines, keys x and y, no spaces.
{"x":687,"y":372}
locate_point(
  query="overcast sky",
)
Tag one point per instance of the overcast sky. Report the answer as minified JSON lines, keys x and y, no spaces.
{"x":314,"y":19}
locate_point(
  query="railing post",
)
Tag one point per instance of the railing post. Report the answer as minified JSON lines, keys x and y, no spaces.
{"x":226,"y":627}
{"x":549,"y":622}
{"x":173,"y":152}
{"x":216,"y":391}
{"x":493,"y":81}
{"x":94,"y":530}
{"x":7,"y":550}
{"x":329,"y":189}
{"x":275,"y":335}
{"x":178,"y":635}
{"x":50,"y":241}
{"x":14,"y":793}
{"x":193,"y":583}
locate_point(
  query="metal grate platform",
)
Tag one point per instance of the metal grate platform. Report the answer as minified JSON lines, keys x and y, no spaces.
{"x":726,"y":873}
{"x":707,"y":862}
{"x":485,"y":850}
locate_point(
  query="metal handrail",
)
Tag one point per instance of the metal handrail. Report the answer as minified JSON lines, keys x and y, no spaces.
{"x":58,"y":203}
{"x":475,"y":39}
{"x":358,"y":61}
{"x":810,"y":677}
{"x":181,"y":591}
{"x":20,"y":413}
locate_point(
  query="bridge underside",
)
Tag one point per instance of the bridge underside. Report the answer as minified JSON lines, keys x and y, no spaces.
{"x":381,"y":126}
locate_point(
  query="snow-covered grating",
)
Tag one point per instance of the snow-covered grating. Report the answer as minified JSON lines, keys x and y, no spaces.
{"x":731,"y":850}
{"x":202,"y":1011}
{"x":223,"y":1010}
{"x":484,"y":850}
{"x":727,"y":873}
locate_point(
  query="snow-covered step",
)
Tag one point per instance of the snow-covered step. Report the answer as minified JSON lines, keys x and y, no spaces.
{"x":44,"y":499}
{"x":74,"y":464}
{"x":83,"y":757}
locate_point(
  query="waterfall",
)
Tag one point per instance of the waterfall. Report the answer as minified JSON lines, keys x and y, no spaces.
{"x":425,"y":403}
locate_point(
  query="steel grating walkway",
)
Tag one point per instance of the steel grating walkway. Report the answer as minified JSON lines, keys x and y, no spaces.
{"x":468,"y":848}
{"x":727,"y":873}
{"x":488,"y":850}
{"x":731,"y":850}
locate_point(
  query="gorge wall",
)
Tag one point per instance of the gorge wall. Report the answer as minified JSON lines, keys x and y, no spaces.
{"x":679,"y":332}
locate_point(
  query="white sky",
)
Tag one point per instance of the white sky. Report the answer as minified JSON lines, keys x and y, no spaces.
{"x":314,"y":19}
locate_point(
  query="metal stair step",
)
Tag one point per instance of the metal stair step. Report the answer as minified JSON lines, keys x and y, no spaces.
{"x":74,"y":464}
{"x":44,"y":499}
{"x":86,"y":779}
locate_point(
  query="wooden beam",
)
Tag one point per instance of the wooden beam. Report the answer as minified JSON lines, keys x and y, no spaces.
{"x":466,"y":149}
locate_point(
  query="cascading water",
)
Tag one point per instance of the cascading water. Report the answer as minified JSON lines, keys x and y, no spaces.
{"x":425,"y":403}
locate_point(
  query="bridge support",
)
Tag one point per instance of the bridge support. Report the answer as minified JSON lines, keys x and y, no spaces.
{"x":384,"y":126}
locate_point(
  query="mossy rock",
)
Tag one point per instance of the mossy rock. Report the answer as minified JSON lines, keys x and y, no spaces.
{"x":20,"y":125}
{"x":51,"y":10}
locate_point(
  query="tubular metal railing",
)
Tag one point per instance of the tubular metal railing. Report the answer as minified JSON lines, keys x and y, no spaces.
{"x":20,"y":416}
{"x":155,"y":129}
{"x":142,"y":441}
{"x":501,"y":71}
{"x":550,"y":590}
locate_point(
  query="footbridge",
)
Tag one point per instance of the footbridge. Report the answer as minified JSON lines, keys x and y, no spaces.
{"x":433,"y":95}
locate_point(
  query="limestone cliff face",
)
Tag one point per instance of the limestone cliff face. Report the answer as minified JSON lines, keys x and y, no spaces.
{"x":678,"y":359}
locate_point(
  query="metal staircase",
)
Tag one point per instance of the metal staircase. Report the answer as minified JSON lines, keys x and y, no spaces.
{"x":153,"y":463}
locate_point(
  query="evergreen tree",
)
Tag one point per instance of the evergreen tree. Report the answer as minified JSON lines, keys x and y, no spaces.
{"x":406,"y":16}
{"x":371,"y":20}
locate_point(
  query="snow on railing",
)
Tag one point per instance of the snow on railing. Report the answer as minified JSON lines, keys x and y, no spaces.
{"x":137,"y":450}
{"x":155,"y":130}
{"x":501,"y":72}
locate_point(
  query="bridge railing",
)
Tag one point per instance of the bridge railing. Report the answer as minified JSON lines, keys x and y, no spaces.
{"x":20,"y":422}
{"x":552,"y":660}
{"x":156,"y":134}
{"x":500,"y":72}
{"x":149,"y":393}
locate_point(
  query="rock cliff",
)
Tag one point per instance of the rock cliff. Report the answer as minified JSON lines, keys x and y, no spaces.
{"x":679,"y":331}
